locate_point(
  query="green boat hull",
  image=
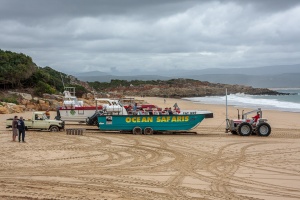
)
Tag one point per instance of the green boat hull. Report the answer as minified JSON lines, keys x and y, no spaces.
{"x":155,"y":122}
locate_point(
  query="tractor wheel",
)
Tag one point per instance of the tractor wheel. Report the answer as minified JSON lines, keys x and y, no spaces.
{"x":234,"y":132}
{"x":263,"y":129}
{"x":244,"y":129}
{"x":137,"y":130}
{"x":148,"y":131}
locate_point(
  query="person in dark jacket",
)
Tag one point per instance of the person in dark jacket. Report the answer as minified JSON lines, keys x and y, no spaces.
{"x":21,"y":128}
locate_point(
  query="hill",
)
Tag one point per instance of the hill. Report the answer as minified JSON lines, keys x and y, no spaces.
{"x":19,"y":72}
{"x":281,"y":76}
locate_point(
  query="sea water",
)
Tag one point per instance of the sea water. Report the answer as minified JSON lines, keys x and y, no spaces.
{"x":288,"y":103}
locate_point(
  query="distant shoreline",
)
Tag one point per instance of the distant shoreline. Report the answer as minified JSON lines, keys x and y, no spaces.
{"x":284,"y":88}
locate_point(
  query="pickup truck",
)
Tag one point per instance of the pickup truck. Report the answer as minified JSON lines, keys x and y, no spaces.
{"x":40,"y":121}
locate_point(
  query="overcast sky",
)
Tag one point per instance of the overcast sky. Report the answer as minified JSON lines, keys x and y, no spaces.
{"x":144,"y":36}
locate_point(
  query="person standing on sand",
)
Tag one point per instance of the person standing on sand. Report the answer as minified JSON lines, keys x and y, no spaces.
{"x":21,"y":128}
{"x":14,"y":128}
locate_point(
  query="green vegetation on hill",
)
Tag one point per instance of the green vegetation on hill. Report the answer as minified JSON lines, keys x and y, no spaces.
{"x":114,"y":83}
{"x":15,"y":68}
{"x":18,"y":71}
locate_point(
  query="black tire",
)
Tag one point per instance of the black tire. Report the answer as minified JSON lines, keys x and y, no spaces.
{"x":137,"y":130}
{"x":263,"y":129}
{"x":244,"y":129}
{"x":148,"y":131}
{"x":54,"y":129}
{"x":234,"y":132}
{"x":95,"y":122}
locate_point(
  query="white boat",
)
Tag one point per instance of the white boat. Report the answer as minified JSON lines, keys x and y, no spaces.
{"x":70,"y":100}
{"x":74,"y":110}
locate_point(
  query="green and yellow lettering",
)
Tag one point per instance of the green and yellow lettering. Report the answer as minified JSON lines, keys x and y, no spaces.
{"x":173,"y":119}
{"x":128,"y":119}
{"x":133,"y":119}
{"x":150,"y":119}
{"x":179,"y":118}
{"x":144,"y":119}
{"x":158,"y":119}
{"x":186,"y":118}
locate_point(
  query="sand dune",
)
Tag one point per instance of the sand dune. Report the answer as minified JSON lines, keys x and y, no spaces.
{"x":210,"y":164}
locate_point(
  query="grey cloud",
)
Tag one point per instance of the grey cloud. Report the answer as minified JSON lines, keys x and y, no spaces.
{"x":135,"y":35}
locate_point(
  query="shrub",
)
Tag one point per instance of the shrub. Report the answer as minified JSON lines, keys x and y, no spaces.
{"x":42,"y":88}
{"x":11,"y":99}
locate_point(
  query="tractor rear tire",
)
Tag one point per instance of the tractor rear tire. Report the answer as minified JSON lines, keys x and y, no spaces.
{"x":244,"y":129}
{"x":137,"y":130}
{"x":263,"y":129}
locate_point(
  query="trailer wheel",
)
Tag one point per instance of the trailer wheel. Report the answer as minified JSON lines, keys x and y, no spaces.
{"x":137,"y":130}
{"x":148,"y":131}
{"x":54,"y":129}
{"x":263,"y":129}
{"x":244,"y":129}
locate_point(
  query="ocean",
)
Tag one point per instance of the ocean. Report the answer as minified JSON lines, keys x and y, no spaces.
{"x":288,"y":103}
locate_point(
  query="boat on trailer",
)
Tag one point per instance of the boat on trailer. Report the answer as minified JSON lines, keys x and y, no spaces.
{"x":149,"y":124}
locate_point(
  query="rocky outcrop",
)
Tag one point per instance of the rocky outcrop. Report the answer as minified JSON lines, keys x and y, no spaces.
{"x":27,"y":103}
{"x":179,"y":88}
{"x":6,"y":108}
{"x":176,"y":88}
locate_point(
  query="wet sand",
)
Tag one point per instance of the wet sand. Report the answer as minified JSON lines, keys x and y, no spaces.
{"x":210,"y":164}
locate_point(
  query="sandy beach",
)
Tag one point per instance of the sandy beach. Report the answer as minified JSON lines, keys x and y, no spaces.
{"x":207,"y":164}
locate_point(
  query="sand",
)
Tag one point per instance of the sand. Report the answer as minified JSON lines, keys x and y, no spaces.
{"x":210,"y":164}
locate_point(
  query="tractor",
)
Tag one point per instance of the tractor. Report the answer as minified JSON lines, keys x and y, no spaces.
{"x":247,"y":126}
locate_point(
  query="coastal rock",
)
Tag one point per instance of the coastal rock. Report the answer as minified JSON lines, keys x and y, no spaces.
{"x":18,"y":108}
{"x":31,"y":107}
{"x":89,"y":96}
{"x":11,"y":108}
{"x":3,"y":110}
{"x":22,"y":95}
{"x":179,"y":88}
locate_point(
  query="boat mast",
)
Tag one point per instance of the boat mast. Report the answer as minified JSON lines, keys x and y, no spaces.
{"x":227,"y":120}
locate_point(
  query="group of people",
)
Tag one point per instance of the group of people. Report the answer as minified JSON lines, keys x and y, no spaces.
{"x":135,"y":110}
{"x":18,"y":128}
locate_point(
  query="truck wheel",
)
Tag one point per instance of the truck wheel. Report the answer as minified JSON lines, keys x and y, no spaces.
{"x":244,"y":129}
{"x":263,"y":129}
{"x":137,"y":130}
{"x":54,"y":129}
{"x":148,"y":131}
